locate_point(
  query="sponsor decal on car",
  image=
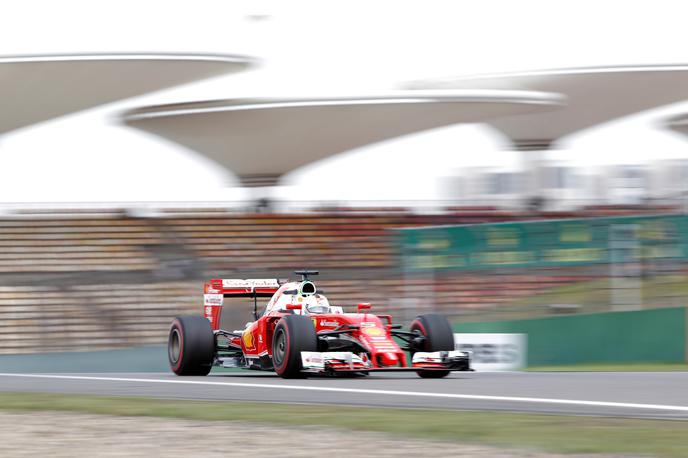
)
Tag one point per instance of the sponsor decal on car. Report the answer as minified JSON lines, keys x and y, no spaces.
{"x":250,"y":283}
{"x":235,"y":283}
{"x":381,"y":341}
{"x":313,"y":358}
{"x":373,"y":331}
{"x":368,"y":324}
{"x":247,"y":337}
{"x":263,"y":282}
{"x":329,"y":323}
{"x":213,"y":299}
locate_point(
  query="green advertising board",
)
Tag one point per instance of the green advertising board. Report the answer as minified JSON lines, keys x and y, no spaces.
{"x":544,"y":243}
{"x":642,"y":336}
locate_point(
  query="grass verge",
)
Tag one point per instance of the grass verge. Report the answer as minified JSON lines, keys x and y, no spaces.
{"x":595,"y":295}
{"x":612,"y":367}
{"x":563,"y":434}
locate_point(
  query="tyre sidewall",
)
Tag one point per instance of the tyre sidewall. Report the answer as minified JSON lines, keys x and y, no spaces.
{"x":196,"y":346}
{"x":300,"y":335}
{"x":438,"y":337}
{"x":437,"y":331}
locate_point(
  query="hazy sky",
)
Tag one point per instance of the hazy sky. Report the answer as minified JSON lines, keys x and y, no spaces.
{"x":324,"y":48}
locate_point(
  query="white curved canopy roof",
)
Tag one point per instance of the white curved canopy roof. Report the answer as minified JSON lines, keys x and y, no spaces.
{"x":595,"y":95}
{"x":260,"y":140}
{"x":678,"y":124}
{"x":38,"y":88}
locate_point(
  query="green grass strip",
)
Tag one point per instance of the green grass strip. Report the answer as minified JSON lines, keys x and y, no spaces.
{"x":614,"y":367}
{"x":562,"y":434}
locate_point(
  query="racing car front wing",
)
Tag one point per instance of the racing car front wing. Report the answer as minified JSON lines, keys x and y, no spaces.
{"x":451,"y":360}
{"x":320,"y":362}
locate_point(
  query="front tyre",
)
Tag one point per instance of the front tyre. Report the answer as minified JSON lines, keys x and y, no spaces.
{"x":191,"y":346}
{"x":437,"y":335}
{"x":293,"y":334}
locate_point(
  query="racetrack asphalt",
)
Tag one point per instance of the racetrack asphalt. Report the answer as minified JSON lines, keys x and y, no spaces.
{"x":623,"y":394}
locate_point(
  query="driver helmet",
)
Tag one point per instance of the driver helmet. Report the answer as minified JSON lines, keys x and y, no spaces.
{"x":316,"y":303}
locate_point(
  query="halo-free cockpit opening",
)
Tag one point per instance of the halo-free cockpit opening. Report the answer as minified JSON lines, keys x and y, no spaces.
{"x":307,"y":288}
{"x":303,"y":293}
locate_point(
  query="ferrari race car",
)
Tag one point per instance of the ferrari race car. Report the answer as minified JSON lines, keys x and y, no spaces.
{"x":300,"y":333}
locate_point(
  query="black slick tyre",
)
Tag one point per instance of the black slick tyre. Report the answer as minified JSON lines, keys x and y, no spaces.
{"x":293,"y":334}
{"x":438,"y":336}
{"x":191,"y":346}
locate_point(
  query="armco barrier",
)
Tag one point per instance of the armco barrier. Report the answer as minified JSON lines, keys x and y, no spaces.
{"x":137,"y":359}
{"x":657,"y":335}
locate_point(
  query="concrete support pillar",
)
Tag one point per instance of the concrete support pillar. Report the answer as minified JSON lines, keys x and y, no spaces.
{"x":260,"y":180}
{"x":533,"y":155}
{"x":261,"y":193}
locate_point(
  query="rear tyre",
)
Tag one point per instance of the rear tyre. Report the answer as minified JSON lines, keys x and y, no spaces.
{"x":293,"y":334}
{"x":191,"y":346}
{"x":437,"y":336}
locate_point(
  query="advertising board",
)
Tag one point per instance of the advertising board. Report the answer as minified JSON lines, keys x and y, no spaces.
{"x":493,"y":352}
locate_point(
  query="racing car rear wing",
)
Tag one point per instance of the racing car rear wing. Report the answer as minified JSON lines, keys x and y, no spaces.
{"x":255,"y":287}
{"x":216,"y":290}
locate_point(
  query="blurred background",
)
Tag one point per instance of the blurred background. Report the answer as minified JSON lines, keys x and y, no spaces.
{"x":524,"y":174}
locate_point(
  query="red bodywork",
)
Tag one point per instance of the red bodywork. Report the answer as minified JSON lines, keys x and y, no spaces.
{"x":256,"y":340}
{"x":384,"y":351}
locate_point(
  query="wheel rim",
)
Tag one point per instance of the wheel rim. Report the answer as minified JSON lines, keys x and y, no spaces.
{"x":174,"y":348}
{"x":420,"y":331}
{"x":279,"y":348}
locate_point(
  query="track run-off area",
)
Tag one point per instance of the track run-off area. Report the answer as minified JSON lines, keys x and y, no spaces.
{"x":622,"y":394}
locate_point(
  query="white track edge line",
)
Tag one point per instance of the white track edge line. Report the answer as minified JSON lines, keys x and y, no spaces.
{"x":366,"y":391}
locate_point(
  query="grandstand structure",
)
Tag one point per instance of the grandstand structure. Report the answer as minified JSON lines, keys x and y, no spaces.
{"x":535,"y":110}
{"x":38,"y":88}
{"x":46,"y":302}
{"x":86,"y":279}
{"x":678,"y":124}
{"x":302,"y":131}
{"x":594,"y":96}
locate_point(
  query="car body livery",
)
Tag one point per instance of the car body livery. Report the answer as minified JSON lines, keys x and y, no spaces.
{"x":300,"y":333}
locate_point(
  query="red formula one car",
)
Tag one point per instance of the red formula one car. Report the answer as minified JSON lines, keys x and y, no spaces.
{"x":300,"y":333}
